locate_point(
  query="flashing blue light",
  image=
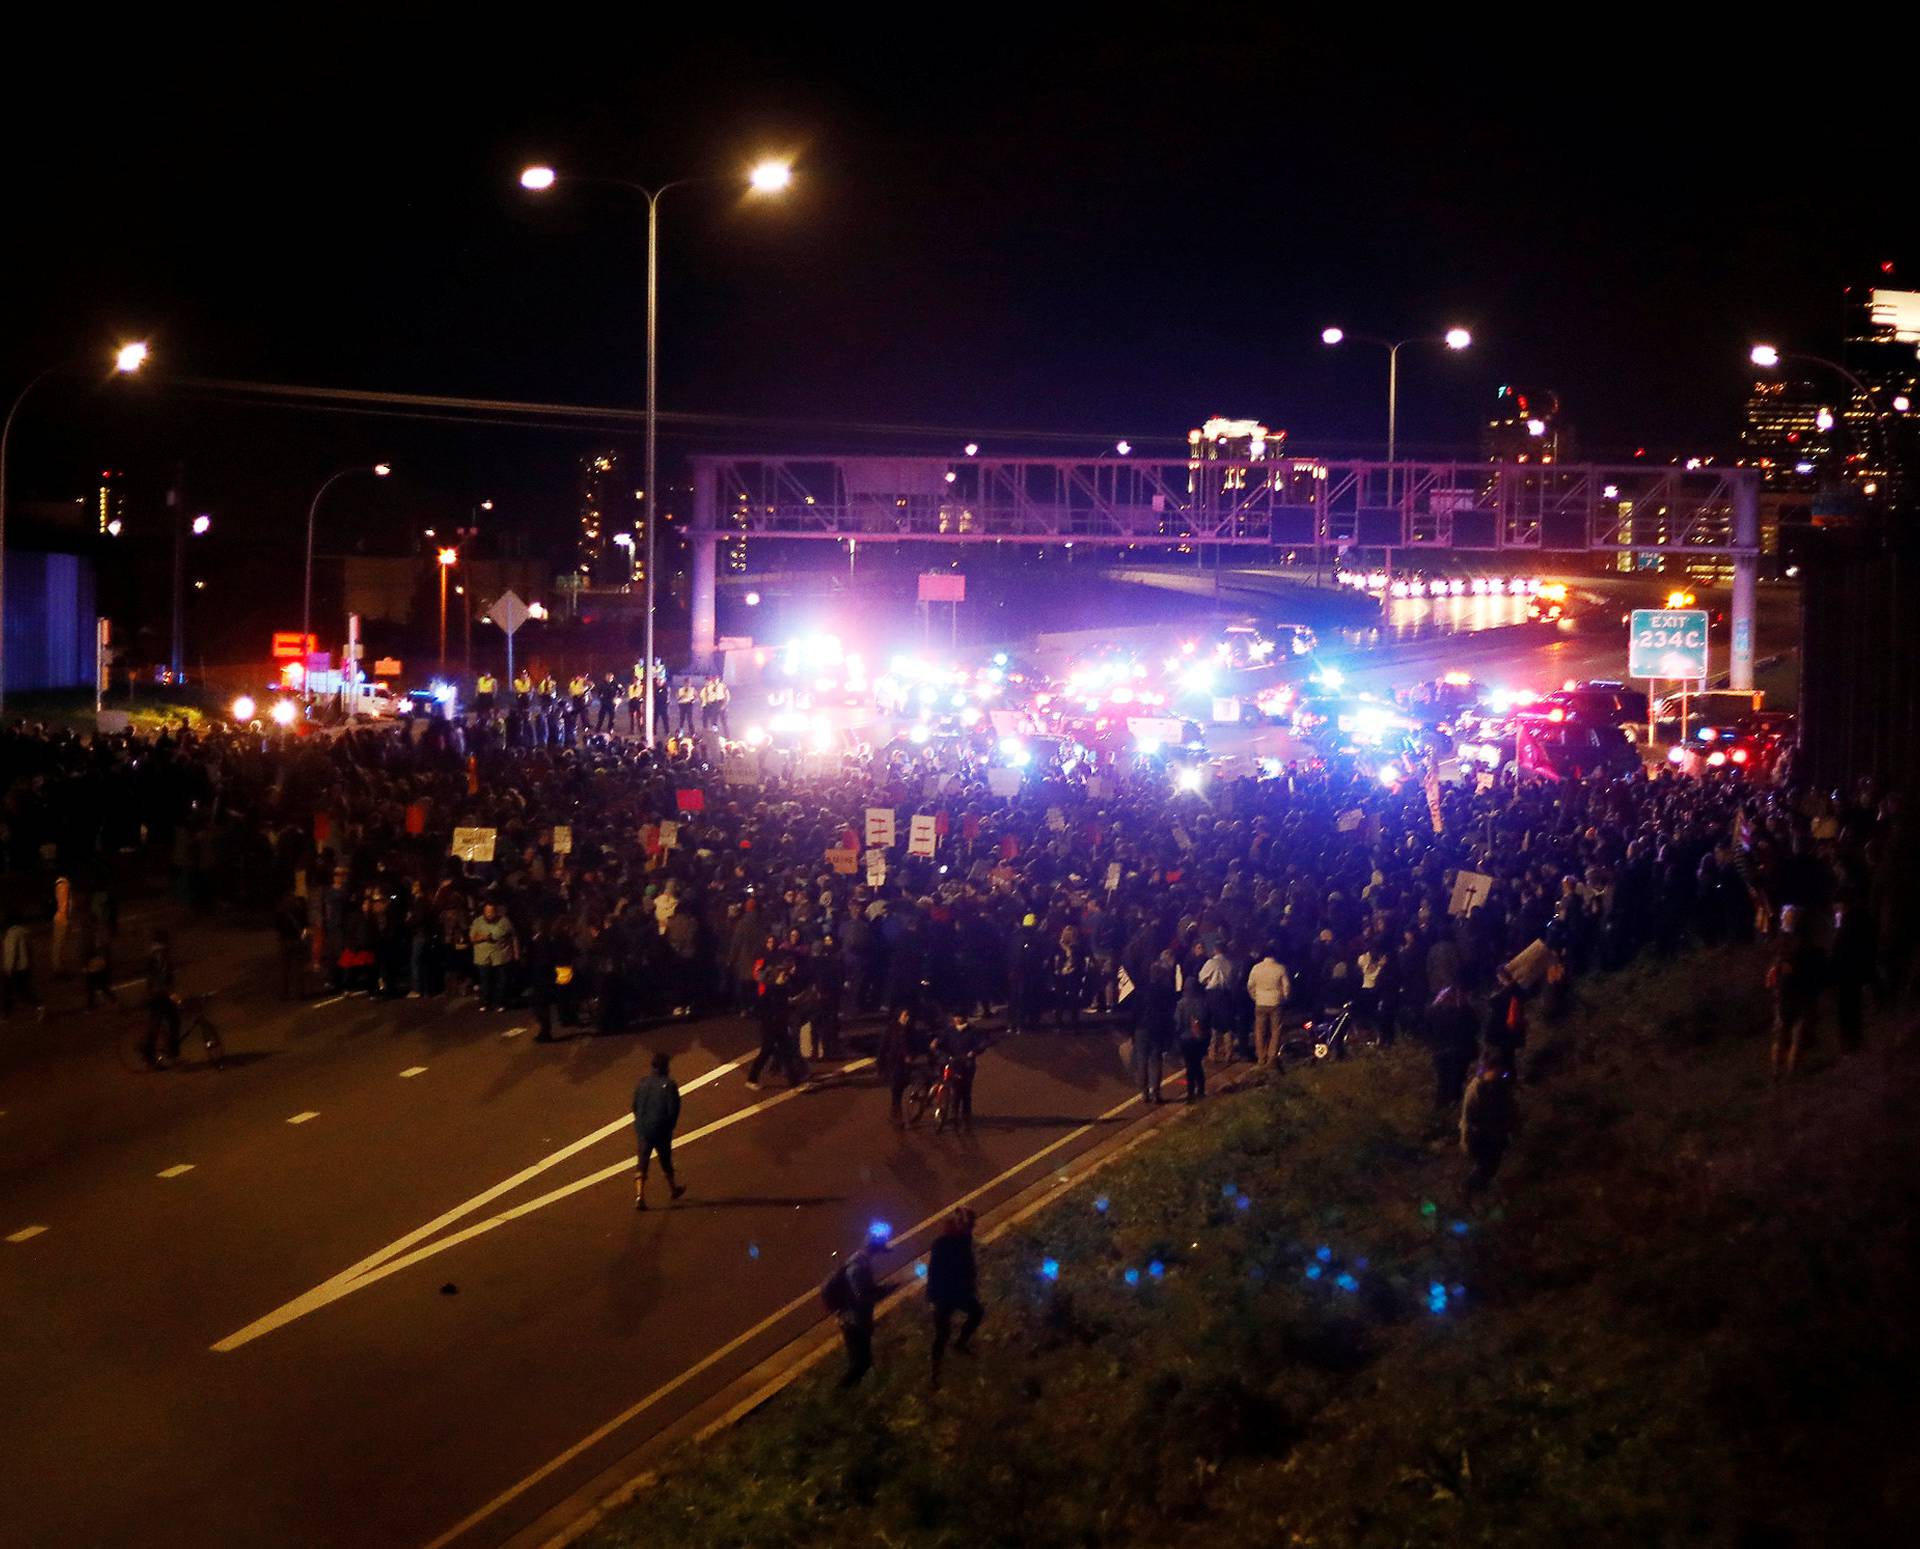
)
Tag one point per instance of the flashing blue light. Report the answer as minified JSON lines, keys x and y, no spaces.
{"x":920,"y":1272}
{"x":1100,"y":1204}
{"x":1323,"y":1253}
{"x":1435,"y":1288}
{"x":1314,"y":1272}
{"x":1049,"y":1269}
{"x":1456,"y":1291}
{"x":1458,"y":1228}
{"x":753,"y":1250}
{"x":1132,"y":1277}
{"x":1346,"y":1282}
{"x":1243,"y":1203}
{"x":1156,"y":1269}
{"x":879,"y":1231}
{"x":1229,"y":1189}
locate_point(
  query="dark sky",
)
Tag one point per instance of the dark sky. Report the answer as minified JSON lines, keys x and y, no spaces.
{"x":1083,"y":226}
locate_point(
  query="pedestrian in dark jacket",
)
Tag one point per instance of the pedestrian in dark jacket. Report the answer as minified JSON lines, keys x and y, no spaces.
{"x":1451,"y":1035}
{"x":1489,"y":1114}
{"x":1153,"y":1036}
{"x":850,"y":1293}
{"x":656,"y":1111}
{"x":953,"y":1286}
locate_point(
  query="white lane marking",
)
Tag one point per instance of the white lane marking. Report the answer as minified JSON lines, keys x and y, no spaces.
{"x":301,"y":1118}
{"x":25,"y":1233}
{"x":127,"y":984}
{"x":328,"y":1290}
{"x":809,"y":1296}
{"x":175,"y":1171}
{"x":331,"y":1000}
{"x":413,"y":1070}
{"x":515,"y":1032}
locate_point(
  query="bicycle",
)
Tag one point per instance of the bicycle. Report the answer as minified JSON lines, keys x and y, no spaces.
{"x":919,"y":1093}
{"x":194,"y":1022}
{"x":160,"y":1046}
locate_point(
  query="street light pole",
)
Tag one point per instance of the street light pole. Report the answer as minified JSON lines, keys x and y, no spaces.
{"x":767,"y":177}
{"x":379,"y":471}
{"x":128,"y":359}
{"x":448,"y":558}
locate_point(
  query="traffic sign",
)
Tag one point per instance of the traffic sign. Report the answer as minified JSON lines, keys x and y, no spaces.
{"x":508,"y":611}
{"x":1667,"y":643}
{"x":287,"y":645}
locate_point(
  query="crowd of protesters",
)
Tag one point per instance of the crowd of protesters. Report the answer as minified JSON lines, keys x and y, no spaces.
{"x":612,"y":885}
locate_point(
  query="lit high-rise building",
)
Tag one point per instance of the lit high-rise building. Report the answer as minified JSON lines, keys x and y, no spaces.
{"x":110,"y":502}
{"x":610,"y":507}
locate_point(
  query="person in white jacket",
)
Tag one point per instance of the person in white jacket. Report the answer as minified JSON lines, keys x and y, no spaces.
{"x":1268,"y":984}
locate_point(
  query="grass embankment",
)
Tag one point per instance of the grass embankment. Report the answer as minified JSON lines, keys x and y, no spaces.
{"x":1685,"y":1315}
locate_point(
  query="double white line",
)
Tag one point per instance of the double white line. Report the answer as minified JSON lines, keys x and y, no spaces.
{"x":402,"y":1253}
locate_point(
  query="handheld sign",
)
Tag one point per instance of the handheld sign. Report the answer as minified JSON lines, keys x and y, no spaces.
{"x":473,"y":844}
{"x":880,"y":828}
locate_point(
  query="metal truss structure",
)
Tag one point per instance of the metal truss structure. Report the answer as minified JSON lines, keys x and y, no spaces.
{"x":1294,"y":509}
{"x":1287,"y":504}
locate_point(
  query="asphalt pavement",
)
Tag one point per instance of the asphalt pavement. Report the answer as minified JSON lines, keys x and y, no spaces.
{"x":384,"y":1267}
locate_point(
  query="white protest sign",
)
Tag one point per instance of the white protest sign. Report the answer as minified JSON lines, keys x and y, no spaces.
{"x":1471,"y":889}
{"x":1113,"y":875}
{"x":742,"y":767}
{"x":1004,"y":782}
{"x":1349,"y":820}
{"x":1056,"y":820}
{"x":1181,"y":837}
{"x":669,"y":835}
{"x":921,"y":838}
{"x":473,"y":844}
{"x":880,"y":828}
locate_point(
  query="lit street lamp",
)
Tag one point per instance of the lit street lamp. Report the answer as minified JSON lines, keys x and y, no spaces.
{"x":448,"y":559}
{"x":127,"y":359}
{"x":768,"y":177}
{"x":1454,"y":339}
{"x":379,"y":471}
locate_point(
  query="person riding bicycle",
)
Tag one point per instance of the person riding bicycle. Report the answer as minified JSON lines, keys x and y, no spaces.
{"x":957,"y":1047}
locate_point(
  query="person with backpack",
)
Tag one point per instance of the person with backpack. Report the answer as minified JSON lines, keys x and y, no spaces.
{"x":656,"y":1112}
{"x":849,"y":1294}
{"x":953,"y":1286}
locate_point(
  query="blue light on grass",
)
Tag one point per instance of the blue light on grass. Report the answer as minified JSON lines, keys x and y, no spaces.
{"x":1132,"y":1277}
{"x":1100,"y":1204}
{"x":880,"y":1231}
{"x":1346,"y":1282}
{"x":1244,"y":1202}
{"x":1156,"y":1269}
{"x":1228,"y":1190}
{"x":920,"y":1272}
{"x":753,"y":1250}
{"x":1314,"y":1271}
{"x":1458,"y":1228}
{"x":1361,"y":1263}
{"x":1323,"y":1253}
{"x":1049,"y":1269}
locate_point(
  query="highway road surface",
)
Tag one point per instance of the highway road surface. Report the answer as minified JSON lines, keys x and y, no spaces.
{"x":380,"y":1281}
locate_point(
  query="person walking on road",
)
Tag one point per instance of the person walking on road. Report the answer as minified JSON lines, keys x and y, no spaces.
{"x":656,"y":1111}
{"x":953,"y":1286}
{"x":849,"y":1294}
{"x":1153,"y":1035}
{"x":492,"y":938}
{"x":1267,"y":983}
{"x":16,"y":960}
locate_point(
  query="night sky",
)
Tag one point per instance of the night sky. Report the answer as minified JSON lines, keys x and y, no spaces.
{"x":1049,"y":227}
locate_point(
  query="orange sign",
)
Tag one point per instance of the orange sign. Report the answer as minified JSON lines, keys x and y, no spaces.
{"x":287,"y":646}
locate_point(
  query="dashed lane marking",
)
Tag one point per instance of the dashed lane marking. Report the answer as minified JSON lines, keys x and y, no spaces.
{"x":175,"y":1171}
{"x":373,"y":1266}
{"x":713,"y":1357}
{"x":331,"y":1000}
{"x":25,"y":1233}
{"x":127,"y":984}
{"x":301,"y":1118}
{"x":413,"y":1070}
{"x":515,"y":1032}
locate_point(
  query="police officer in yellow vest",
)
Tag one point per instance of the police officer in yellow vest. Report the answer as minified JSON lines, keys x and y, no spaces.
{"x":685,"y":697}
{"x":483,"y":692}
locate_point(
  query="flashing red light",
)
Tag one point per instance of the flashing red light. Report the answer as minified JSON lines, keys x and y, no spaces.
{"x":1887,"y":267}
{"x":1639,"y":451}
{"x":1738,"y":755}
{"x":1556,"y":715}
